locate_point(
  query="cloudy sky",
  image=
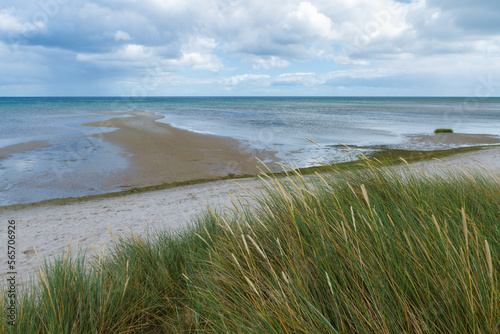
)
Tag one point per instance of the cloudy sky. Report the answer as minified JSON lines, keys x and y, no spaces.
{"x":249,"y":47}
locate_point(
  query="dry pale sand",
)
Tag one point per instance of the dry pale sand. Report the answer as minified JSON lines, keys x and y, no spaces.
{"x":487,"y":159}
{"x":49,"y":228}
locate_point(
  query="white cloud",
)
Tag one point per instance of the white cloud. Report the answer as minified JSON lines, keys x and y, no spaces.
{"x":122,"y":36}
{"x":12,"y":25}
{"x":267,"y":63}
{"x":197,"y":53}
{"x":315,"y":79}
{"x":9,"y":23}
{"x":200,"y":61}
{"x":305,"y":79}
{"x":308,"y":21}
{"x":245,"y":78}
{"x":127,"y":55}
{"x":135,"y":52}
{"x":132,"y":52}
{"x":200,"y":44}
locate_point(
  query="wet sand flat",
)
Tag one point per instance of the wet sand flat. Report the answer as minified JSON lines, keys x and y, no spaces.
{"x":161,"y":154}
{"x":449,"y":140}
{"x":23,"y":147}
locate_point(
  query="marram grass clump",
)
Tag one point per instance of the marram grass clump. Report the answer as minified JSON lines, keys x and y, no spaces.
{"x":443,"y":131}
{"x":372,"y":250}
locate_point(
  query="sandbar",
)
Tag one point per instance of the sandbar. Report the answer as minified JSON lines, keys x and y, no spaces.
{"x":160,"y":153}
{"x":449,"y":140}
{"x":23,"y":147}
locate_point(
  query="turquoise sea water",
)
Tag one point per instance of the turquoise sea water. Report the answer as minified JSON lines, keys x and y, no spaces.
{"x":83,"y":165}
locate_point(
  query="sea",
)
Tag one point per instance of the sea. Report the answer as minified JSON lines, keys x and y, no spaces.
{"x":303,"y":131}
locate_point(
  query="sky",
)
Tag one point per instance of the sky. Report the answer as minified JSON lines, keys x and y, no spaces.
{"x":250,"y":48}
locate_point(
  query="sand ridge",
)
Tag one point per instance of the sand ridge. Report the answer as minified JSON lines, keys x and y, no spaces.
{"x":23,"y":147}
{"x":163,"y":154}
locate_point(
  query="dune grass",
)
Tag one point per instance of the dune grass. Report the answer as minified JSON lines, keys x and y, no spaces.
{"x":371,"y":250}
{"x":443,"y":131}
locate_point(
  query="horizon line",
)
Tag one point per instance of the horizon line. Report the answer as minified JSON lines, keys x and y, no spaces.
{"x":249,"y":96}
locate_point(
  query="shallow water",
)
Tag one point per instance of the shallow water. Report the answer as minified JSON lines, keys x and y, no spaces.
{"x":76,"y":165}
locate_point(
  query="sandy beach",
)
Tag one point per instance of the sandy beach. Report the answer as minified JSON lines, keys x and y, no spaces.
{"x":87,"y":224}
{"x":49,"y":228}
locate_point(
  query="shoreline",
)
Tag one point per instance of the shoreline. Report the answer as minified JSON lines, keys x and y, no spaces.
{"x":415,"y":157}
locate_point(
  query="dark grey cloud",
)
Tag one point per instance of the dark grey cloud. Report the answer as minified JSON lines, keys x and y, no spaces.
{"x":92,"y":28}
